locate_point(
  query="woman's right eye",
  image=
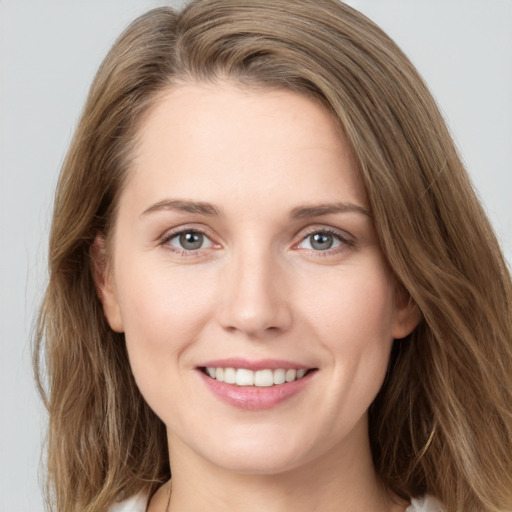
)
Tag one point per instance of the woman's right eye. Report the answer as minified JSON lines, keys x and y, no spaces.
{"x":189,"y":240}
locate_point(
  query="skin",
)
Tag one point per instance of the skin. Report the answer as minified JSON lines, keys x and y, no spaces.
{"x":256,"y":289}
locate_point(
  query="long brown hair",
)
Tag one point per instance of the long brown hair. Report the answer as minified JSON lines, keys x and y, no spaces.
{"x":442,"y":423}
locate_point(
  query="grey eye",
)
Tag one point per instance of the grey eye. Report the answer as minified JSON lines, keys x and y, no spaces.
{"x":190,"y":241}
{"x":321,"y":241}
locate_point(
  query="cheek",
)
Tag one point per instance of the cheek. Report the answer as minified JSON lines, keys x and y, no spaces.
{"x":163,"y":311}
{"x":355,"y":306}
{"x":355,"y":324}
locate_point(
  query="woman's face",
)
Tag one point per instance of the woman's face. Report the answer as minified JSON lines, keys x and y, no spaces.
{"x":248,"y":280}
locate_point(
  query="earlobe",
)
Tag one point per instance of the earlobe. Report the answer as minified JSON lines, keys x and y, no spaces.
{"x":104,"y":281}
{"x":407,"y":315}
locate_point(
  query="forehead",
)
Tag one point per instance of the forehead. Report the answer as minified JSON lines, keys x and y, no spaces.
{"x":197,"y":139}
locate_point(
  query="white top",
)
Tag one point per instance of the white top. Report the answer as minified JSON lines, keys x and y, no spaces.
{"x":138,"y":504}
{"x":426,"y":504}
{"x":134,"y":504}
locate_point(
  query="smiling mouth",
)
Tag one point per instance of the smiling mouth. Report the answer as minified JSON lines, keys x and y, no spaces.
{"x":260,"y":378}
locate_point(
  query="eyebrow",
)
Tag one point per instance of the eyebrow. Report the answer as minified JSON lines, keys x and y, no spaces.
{"x":182,"y":205}
{"x":300,"y":212}
{"x":306,"y":212}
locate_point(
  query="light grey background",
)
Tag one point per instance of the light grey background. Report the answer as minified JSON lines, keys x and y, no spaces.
{"x":49,"y":51}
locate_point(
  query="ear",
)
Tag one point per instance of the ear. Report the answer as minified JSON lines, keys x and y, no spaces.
{"x":104,"y":281}
{"x":407,"y":314}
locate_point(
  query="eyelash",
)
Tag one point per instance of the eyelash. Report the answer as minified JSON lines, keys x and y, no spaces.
{"x":345,"y":242}
{"x":166,"y":239}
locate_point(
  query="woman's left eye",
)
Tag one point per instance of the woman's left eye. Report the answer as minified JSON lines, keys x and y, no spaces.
{"x":189,"y":240}
{"x":321,"y":241}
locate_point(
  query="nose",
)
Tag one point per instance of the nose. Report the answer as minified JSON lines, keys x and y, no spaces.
{"x":253,"y":296}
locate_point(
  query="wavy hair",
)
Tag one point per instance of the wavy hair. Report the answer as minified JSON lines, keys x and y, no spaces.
{"x":442,"y":423}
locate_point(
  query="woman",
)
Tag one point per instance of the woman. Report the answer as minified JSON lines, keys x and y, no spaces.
{"x":270,"y":276}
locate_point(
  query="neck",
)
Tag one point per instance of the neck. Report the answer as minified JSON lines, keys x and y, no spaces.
{"x":340,"y":480}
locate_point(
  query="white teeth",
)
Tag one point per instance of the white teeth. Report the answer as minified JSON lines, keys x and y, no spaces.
{"x":264,"y":378}
{"x":290,"y":375}
{"x":301,"y":373}
{"x":259,"y":378}
{"x":279,"y":377}
{"x":244,"y":377}
{"x":230,"y":375}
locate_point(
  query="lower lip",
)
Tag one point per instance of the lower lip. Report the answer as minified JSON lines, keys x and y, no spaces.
{"x":255,"y":398}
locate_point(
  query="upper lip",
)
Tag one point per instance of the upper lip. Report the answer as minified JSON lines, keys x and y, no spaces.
{"x":260,"y":364}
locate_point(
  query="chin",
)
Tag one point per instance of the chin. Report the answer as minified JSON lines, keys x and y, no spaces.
{"x":259,"y":454}
{"x":250,"y":464}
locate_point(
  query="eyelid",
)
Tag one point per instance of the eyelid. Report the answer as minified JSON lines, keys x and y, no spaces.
{"x":168,"y":235}
{"x":190,"y":231}
{"x":184,"y":228}
{"x":346,"y":239}
{"x":323,"y":228}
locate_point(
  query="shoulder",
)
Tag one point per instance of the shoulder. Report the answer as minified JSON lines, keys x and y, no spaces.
{"x":134,"y":504}
{"x":425,"y":504}
{"x":139,"y":503}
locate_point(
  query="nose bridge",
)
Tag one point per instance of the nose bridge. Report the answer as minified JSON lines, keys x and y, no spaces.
{"x":254,"y":292}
